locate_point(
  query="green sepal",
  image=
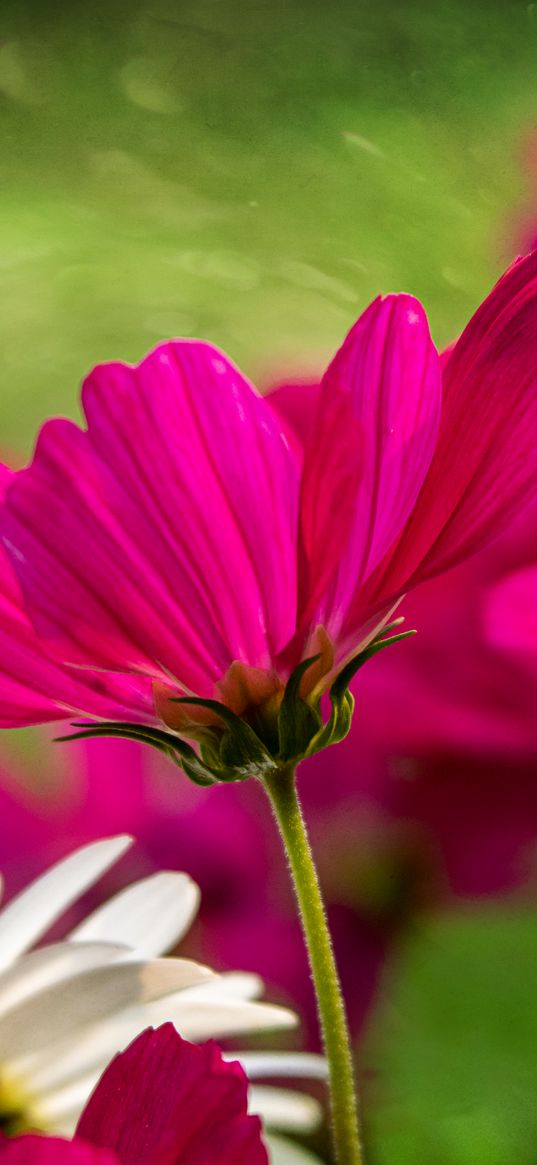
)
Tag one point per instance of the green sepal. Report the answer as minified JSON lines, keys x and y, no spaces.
{"x":338,"y":725}
{"x":376,"y":646}
{"x":197,"y":772}
{"x":234,"y":751}
{"x":172,"y":746}
{"x":240,"y":753}
{"x":298,"y":721}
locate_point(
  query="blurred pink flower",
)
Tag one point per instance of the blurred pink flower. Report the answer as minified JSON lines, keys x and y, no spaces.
{"x":189,"y":537}
{"x":464,"y":684}
{"x":511,"y":615}
{"x":161,"y":1102}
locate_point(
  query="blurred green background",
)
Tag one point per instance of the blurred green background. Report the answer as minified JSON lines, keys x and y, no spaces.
{"x":254,"y":173}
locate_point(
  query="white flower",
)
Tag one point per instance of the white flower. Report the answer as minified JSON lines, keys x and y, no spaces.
{"x":67,"y":1008}
{"x":284,"y":1152}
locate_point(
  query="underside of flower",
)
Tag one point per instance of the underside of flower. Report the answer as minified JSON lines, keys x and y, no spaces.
{"x":260,"y":725}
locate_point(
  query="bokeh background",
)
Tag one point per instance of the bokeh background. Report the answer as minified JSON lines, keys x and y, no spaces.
{"x":255,"y":173}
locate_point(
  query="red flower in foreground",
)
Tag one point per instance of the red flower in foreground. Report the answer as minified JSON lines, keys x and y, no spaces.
{"x":161,"y":1102}
{"x":189,"y":539}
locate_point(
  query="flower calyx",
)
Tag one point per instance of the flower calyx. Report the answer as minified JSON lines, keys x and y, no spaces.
{"x":232,"y":747}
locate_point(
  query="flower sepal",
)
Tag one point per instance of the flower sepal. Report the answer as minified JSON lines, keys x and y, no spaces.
{"x":342,"y":700}
{"x":173,"y":747}
{"x":296,"y":731}
{"x":299,"y":720}
{"x":234,"y":752}
{"x":231,"y":749}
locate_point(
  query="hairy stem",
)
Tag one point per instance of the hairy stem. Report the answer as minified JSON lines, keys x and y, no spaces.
{"x":331,"y":1010}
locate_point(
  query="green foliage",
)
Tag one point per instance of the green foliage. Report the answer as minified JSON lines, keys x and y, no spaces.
{"x":454,"y":1055}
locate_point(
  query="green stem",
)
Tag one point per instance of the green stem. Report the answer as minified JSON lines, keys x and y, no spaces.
{"x":286,"y":805}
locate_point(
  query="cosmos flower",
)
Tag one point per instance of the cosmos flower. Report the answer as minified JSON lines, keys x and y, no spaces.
{"x":66,"y":1008}
{"x":190,"y":538}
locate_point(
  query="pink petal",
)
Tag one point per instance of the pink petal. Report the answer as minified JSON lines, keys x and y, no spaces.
{"x":511,"y":614}
{"x":296,"y":404}
{"x":167,"y":1102}
{"x":37,"y":1150}
{"x":35,"y":688}
{"x":485,"y":467}
{"x":163,"y":539}
{"x":375,"y":434}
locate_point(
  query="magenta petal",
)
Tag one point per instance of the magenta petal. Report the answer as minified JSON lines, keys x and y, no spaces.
{"x":510,"y":614}
{"x":35,"y":688}
{"x":35,"y":1150}
{"x":296,"y":404}
{"x":370,"y":450}
{"x":163,"y":539}
{"x":485,"y":467}
{"x":167,"y":1102}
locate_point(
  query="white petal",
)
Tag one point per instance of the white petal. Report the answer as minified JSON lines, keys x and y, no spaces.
{"x":40,"y":969}
{"x":85,"y":1053}
{"x":284,"y":1152}
{"x":216,"y":1018}
{"x":292,"y":1064}
{"x":66,"y":1059}
{"x":150,"y":916}
{"x":281,"y":1108}
{"x":63,"y":1125}
{"x":229,"y":985}
{"x":59,"y":1112}
{"x":28,"y":916}
{"x":88,"y":997}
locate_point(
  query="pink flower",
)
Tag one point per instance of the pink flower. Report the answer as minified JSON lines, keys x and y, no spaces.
{"x":190,"y":536}
{"x":480,"y":701}
{"x":161,"y":1102}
